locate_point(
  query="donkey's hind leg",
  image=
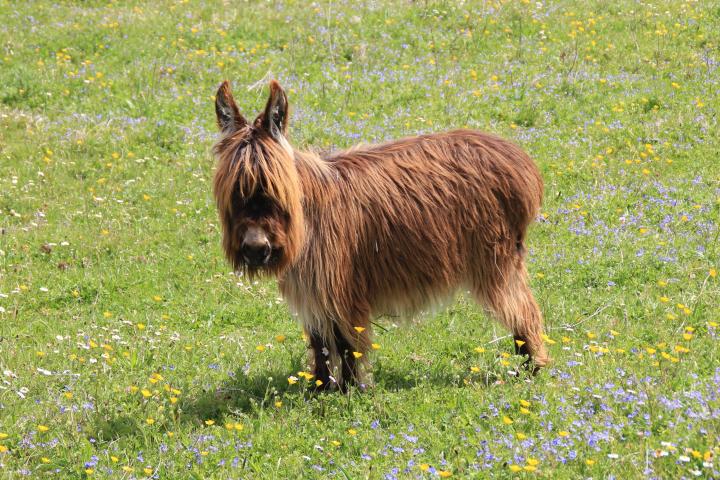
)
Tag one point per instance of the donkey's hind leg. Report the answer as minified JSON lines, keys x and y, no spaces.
{"x":508,"y":298}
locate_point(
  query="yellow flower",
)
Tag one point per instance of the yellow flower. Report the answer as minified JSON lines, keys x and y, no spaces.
{"x":148,"y":471}
{"x":479,"y":350}
{"x":292,"y":380}
{"x":515,"y":468}
{"x":507,"y":420}
{"x":89,"y":471}
{"x":318,"y":382}
{"x":524,"y":403}
{"x":280,"y":338}
{"x":209,"y":422}
{"x":563,"y":433}
{"x":475,"y":369}
{"x":149,"y":421}
{"x":712,"y":273}
{"x":146,"y":393}
{"x":375,"y":346}
{"x":524,"y":411}
{"x":278,"y":404}
{"x":114,"y":459}
{"x":260,"y":348}
{"x":45,"y":460}
{"x":157,"y":298}
{"x":519,"y":343}
{"x":107,"y":314}
{"x":352,"y":431}
{"x":3,"y":449}
{"x":590,"y":462}
{"x":140,"y":326}
{"x":42,"y":428}
{"x":128,"y":469}
{"x":445,"y":473}
{"x":529,"y":468}
{"x":521,"y":436}
{"x":3,"y":436}
{"x":335,"y":443}
{"x":359,"y":329}
{"x":424,"y":467}
{"x":357,"y":354}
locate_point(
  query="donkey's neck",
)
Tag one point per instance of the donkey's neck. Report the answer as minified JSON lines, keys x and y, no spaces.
{"x":318,"y":178}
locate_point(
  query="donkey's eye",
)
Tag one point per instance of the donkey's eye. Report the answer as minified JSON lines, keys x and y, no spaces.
{"x":258,"y":207}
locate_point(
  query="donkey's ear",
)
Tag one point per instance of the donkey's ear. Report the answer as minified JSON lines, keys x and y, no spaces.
{"x":229,"y":118}
{"x":275,"y":117}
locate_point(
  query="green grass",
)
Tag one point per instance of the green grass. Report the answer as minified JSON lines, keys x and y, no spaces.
{"x":116,"y":305}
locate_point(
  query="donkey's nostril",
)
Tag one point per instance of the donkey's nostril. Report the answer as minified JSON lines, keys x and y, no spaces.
{"x":256,"y":253}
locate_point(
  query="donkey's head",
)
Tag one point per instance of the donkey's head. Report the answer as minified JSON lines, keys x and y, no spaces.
{"x":256,"y":185}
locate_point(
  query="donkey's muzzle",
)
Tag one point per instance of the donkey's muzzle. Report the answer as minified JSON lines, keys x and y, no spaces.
{"x":255,"y":247}
{"x":256,"y":255}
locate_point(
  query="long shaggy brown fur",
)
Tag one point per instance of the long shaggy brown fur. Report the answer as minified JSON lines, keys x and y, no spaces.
{"x":382,"y":229}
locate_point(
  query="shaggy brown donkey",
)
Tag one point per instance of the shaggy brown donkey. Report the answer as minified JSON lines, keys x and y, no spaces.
{"x":380,"y":229}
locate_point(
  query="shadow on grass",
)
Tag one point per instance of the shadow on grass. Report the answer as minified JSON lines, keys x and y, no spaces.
{"x":243,"y":393}
{"x":251,"y":394}
{"x":396,"y":378}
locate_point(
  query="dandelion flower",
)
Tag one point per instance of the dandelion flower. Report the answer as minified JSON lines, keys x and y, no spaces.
{"x":357,"y":354}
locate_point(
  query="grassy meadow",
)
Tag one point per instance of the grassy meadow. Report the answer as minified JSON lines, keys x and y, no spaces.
{"x":128,"y":349}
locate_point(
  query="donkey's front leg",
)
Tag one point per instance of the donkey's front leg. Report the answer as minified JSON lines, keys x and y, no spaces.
{"x":321,"y":361}
{"x":351,"y":346}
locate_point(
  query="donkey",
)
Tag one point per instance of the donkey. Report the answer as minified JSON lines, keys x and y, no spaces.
{"x":389,"y":229}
